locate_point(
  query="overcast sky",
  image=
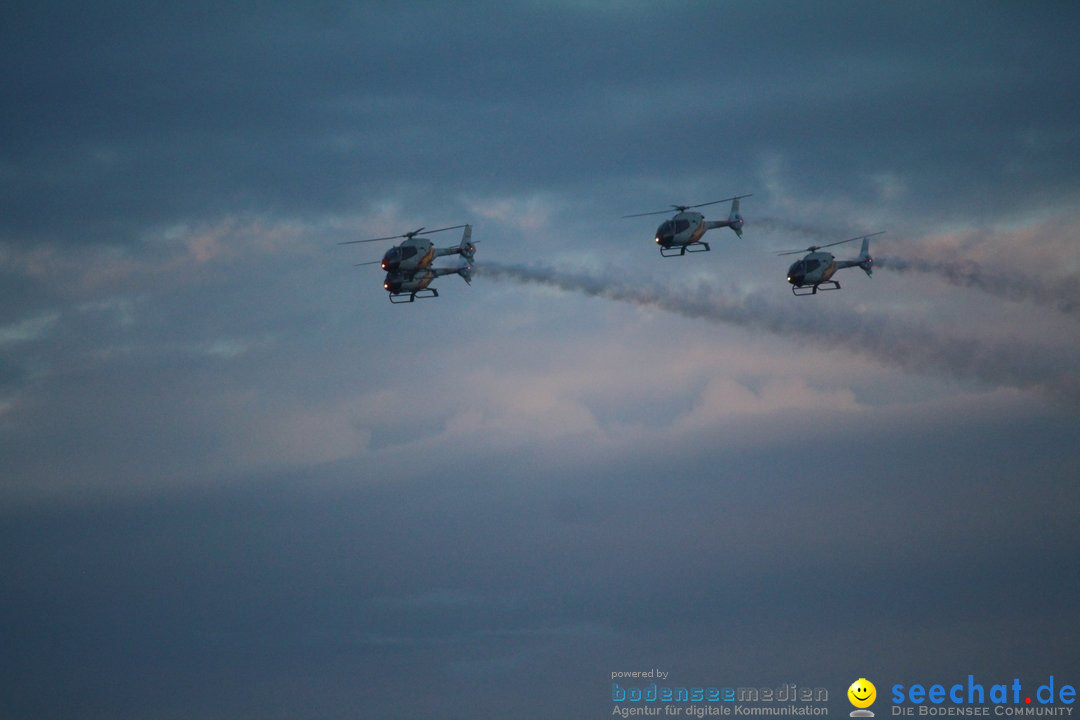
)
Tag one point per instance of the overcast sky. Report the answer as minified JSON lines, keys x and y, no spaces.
{"x":235,"y":482}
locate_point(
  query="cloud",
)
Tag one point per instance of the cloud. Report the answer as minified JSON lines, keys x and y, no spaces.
{"x":524,"y":214}
{"x":27,"y":330}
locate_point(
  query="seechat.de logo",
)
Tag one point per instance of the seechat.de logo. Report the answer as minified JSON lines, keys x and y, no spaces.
{"x":862,"y":694}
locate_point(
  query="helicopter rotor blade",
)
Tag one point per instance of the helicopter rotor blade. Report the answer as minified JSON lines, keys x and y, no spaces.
{"x":859,"y":237}
{"x":683,"y":208}
{"x":370,"y":262}
{"x":388,"y":237}
{"x":428,"y":232}
{"x":714,"y":202}
{"x":656,"y":212}
{"x":412,"y":233}
{"x":814,"y":248}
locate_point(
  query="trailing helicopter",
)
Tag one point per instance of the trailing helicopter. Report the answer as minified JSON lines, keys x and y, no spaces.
{"x":815,"y":270}
{"x":417,"y":284}
{"x":683,"y":232}
{"x":408,"y":264}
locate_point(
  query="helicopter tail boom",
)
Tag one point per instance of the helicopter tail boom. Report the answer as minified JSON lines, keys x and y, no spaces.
{"x":466,"y":248}
{"x":734,"y":219}
{"x":865,"y":261}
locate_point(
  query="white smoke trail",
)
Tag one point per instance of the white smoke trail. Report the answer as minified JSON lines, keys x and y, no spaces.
{"x":1060,"y":293}
{"x":888,"y":340}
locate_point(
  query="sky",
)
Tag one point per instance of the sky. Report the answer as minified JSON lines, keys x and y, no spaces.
{"x":236,"y":482}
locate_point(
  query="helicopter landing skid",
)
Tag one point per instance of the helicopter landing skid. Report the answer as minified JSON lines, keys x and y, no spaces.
{"x":425,"y":293}
{"x":683,"y":249}
{"x":813,"y":290}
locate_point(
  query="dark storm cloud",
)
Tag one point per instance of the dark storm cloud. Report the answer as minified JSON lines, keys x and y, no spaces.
{"x":122,"y":117}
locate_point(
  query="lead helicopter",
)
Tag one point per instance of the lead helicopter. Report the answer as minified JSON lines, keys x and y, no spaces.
{"x":418,"y":253}
{"x":815,"y":270}
{"x":684,"y":230}
{"x":408,"y":265}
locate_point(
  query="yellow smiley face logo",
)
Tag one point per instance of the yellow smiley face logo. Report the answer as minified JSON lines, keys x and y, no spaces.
{"x":862,"y":693}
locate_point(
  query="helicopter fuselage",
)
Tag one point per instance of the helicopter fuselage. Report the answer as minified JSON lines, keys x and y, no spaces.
{"x":410,"y":285}
{"x":686,"y":228}
{"x":407,"y":282}
{"x":413,"y":254}
{"x":813,"y":270}
{"x":683,"y":232}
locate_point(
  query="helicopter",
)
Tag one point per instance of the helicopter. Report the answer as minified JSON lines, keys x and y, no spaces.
{"x":816,"y":269}
{"x":408,"y":264}
{"x":417,"y":284}
{"x":684,"y":230}
{"x":417,"y":254}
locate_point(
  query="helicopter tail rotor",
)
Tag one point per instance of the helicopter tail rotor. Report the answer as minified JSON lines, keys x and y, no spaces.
{"x":466,"y":274}
{"x":735,"y":218}
{"x":467,"y":248}
{"x":865,"y":261}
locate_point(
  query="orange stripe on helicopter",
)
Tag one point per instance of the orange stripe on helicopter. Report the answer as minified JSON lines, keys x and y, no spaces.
{"x":698,"y":232}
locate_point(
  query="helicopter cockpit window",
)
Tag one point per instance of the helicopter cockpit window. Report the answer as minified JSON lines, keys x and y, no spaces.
{"x":665,"y":228}
{"x":812,"y":265}
{"x":408,"y":252}
{"x":393,"y":254}
{"x":681,"y":225}
{"x":798,"y":268}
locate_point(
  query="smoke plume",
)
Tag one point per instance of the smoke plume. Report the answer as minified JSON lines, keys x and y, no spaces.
{"x":1060,"y":293}
{"x":888,"y":340}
